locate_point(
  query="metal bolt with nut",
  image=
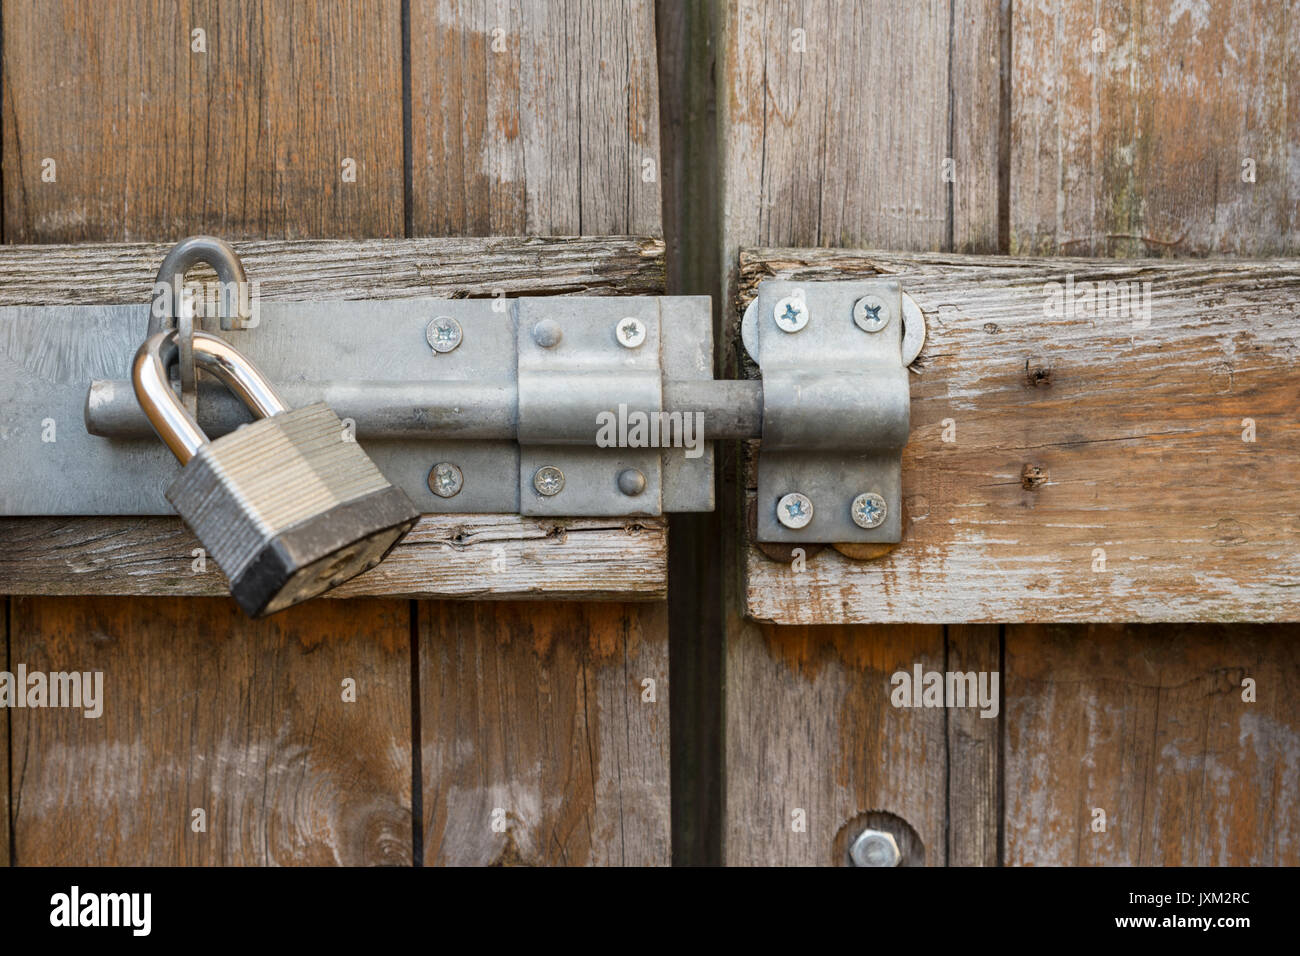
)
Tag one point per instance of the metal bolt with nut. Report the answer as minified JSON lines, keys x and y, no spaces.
{"x":875,"y":848}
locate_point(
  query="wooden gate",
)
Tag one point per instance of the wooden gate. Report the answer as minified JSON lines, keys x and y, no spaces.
{"x":514,"y":678}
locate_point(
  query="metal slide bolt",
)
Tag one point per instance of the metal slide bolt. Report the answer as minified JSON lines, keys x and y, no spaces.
{"x":875,"y":848}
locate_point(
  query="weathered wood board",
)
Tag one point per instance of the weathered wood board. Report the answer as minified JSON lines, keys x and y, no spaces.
{"x":544,"y":734}
{"x":205,"y":710}
{"x":847,"y":124}
{"x":538,"y":119}
{"x":287,"y":123}
{"x":1085,"y":475}
{"x":1156,"y":129}
{"x":1133,"y":745}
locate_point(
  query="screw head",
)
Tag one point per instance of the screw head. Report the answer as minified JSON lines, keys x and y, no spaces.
{"x":631,"y":482}
{"x":548,"y":481}
{"x":875,"y":848}
{"x":790,"y":314}
{"x":630,"y":332}
{"x":871,"y":313}
{"x":547,"y":333}
{"x":446,"y":480}
{"x":794,"y":510}
{"x":869,"y":510}
{"x":443,"y":334}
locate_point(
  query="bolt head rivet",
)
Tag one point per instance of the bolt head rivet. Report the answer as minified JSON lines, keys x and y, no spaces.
{"x":875,"y":848}
{"x":547,"y":333}
{"x":871,"y":313}
{"x":630,"y":332}
{"x":631,"y":482}
{"x":869,"y":510}
{"x":443,"y":334}
{"x":794,"y":510}
{"x":446,"y":480}
{"x":790,"y":313}
{"x":548,"y":480}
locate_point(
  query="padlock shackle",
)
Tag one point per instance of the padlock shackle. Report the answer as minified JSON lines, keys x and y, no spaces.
{"x":153,"y":390}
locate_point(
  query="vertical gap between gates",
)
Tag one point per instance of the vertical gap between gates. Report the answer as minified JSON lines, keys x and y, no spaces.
{"x":417,"y":764}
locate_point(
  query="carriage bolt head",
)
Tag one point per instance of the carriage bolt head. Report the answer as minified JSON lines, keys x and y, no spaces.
{"x":547,"y":333}
{"x":631,"y":482}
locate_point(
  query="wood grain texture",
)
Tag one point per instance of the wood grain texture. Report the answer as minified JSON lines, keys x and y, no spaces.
{"x":205,"y":709}
{"x":810,"y":727}
{"x":152,"y":140}
{"x":1149,"y":725}
{"x":835,"y":121}
{"x":534,"y":118}
{"x":974,"y":758}
{"x":151,"y":556}
{"x":1132,"y":123}
{"x":1075,"y":433}
{"x":444,"y":556}
{"x":534,"y":715}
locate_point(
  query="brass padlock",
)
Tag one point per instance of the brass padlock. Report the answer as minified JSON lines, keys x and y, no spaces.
{"x":288,"y":505}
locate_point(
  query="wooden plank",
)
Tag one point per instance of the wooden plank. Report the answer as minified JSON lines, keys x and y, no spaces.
{"x":834,"y":131}
{"x":974,"y":758}
{"x":203,"y":709}
{"x":534,"y":118}
{"x":251,"y":138}
{"x":1075,"y":433}
{"x":535,"y":718}
{"x":446,"y":555}
{"x":1149,"y":725}
{"x":810,"y":728}
{"x":1132,"y":124}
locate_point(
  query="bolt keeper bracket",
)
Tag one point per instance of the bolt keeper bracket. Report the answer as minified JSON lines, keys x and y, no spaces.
{"x":836,"y":405}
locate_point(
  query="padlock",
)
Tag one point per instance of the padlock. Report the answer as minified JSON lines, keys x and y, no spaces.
{"x":288,"y":505}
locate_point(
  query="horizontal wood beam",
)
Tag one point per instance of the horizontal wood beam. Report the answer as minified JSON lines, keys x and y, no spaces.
{"x":464,"y":556}
{"x":1069,"y":462}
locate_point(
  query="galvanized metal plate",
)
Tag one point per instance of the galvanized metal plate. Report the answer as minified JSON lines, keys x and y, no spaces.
{"x":339,"y":352}
{"x":859,"y":377}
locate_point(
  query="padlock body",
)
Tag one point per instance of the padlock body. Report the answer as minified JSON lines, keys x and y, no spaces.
{"x":288,"y":507}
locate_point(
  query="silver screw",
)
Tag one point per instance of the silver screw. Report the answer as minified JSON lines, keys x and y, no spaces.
{"x":631,"y":482}
{"x":548,"y":480}
{"x":443,"y":334}
{"x":446,"y":480}
{"x":547,"y":333}
{"x":871,"y":313}
{"x":869,"y":510}
{"x":875,"y":848}
{"x":794,"y":510}
{"x":630,"y":332}
{"x":791,"y":314}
